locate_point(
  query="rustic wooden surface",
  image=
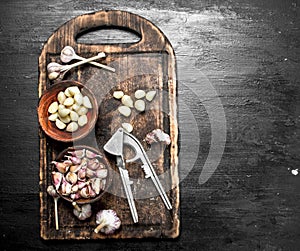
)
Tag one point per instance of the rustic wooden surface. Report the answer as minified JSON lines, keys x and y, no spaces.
{"x":249,"y":52}
{"x":148,"y":64}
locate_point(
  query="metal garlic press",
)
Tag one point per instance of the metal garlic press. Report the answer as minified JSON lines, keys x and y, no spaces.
{"x":115,"y":147}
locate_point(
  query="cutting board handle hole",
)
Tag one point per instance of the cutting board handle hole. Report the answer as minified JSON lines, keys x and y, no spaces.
{"x":108,"y":35}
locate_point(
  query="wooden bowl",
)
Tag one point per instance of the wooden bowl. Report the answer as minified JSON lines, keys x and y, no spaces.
{"x":61,"y":157}
{"x":50,"y":128}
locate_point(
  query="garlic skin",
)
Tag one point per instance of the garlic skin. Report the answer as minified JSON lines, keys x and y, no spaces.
{"x":108,"y":221}
{"x":82,"y":213}
{"x":157,"y":135}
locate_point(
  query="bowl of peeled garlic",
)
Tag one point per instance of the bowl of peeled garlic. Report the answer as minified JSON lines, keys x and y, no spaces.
{"x":81,"y":174}
{"x":67,"y":111}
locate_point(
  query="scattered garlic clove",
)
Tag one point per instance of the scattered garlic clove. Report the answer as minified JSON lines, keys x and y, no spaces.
{"x":150,"y":95}
{"x":118,"y":94}
{"x":127,"y":101}
{"x":53,"y":75}
{"x":69,"y":101}
{"x":64,"y":112}
{"x":78,"y":98}
{"x":140,"y":105}
{"x":74,"y":116}
{"x":82,"y":111}
{"x":60,"y":125}
{"x":61,"y":97}
{"x":53,"y":107}
{"x":82,"y":120}
{"x":86,"y":102}
{"x":53,"y":117}
{"x":72,"y":127}
{"x":74,"y":90}
{"x":124,"y":110}
{"x":139,"y":94}
{"x":128,"y":127}
{"x":65,"y":120}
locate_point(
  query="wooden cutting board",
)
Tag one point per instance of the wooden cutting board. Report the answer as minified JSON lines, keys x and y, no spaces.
{"x":147,"y":64}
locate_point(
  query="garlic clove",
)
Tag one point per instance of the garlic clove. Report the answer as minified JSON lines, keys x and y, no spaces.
{"x":101,"y":173}
{"x":127,"y":101}
{"x":74,"y":168}
{"x":128,"y":127}
{"x":67,"y":92}
{"x":61,"y":97}
{"x":86,"y":102}
{"x":74,"y":116}
{"x":59,"y":124}
{"x":74,"y":90}
{"x":140,"y":105}
{"x":53,"y":107}
{"x":139,"y":94}
{"x":71,"y":177}
{"x":53,"y":75}
{"x":96,"y":185}
{"x":78,"y":98}
{"x":84,"y":192}
{"x":82,"y":110}
{"x":53,"y":117}
{"x":90,"y":173}
{"x":124,"y":110}
{"x":82,"y":120}
{"x":74,"y":188}
{"x":118,"y":94}
{"x":76,"y":107}
{"x":92,"y":155}
{"x":61,"y":167}
{"x":150,"y":95}
{"x":65,"y":120}
{"x":69,"y":101}
{"x":64,"y":112}
{"x":72,"y":127}
{"x":57,"y":179}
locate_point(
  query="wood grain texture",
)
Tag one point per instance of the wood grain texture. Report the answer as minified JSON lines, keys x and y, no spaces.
{"x":148,"y":64}
{"x":249,"y":52}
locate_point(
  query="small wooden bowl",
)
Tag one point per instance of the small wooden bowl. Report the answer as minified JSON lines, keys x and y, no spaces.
{"x":50,"y":128}
{"x":61,"y":157}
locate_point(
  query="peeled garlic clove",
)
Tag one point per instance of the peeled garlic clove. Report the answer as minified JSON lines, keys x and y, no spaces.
{"x":74,"y":90}
{"x":53,"y":117}
{"x":65,"y":120}
{"x":64,"y":112}
{"x":128,"y":127}
{"x":139,"y":94}
{"x":61,"y":97}
{"x":74,"y":116}
{"x":82,"y":111}
{"x":124,"y":110}
{"x":76,"y":107}
{"x":72,"y":127}
{"x":118,"y":94}
{"x":150,"y":95}
{"x":140,"y":105}
{"x":78,"y":98}
{"x":86,"y":102}
{"x":61,"y":106}
{"x":60,"y":125}
{"x":69,"y":101}
{"x":82,"y":120}
{"x":127,"y":101}
{"x":53,"y":107}
{"x":53,"y":75}
{"x":67,"y":92}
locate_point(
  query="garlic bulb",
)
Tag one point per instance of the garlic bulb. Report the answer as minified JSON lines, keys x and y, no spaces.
{"x":108,"y":221}
{"x":82,"y":213}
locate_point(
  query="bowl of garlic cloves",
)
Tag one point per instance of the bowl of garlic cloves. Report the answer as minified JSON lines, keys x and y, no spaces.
{"x":81,"y":174}
{"x":67,"y":111}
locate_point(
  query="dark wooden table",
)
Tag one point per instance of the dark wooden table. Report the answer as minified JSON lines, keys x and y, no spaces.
{"x":238,"y":69}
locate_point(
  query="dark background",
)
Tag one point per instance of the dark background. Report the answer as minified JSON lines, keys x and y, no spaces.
{"x":248,"y":51}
